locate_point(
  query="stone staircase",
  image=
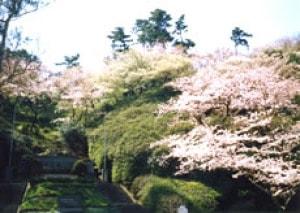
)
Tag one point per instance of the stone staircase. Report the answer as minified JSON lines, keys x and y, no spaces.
{"x":70,"y":204}
{"x":120,"y":199}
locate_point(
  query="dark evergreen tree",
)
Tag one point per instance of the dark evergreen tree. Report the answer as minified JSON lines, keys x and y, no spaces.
{"x":70,"y":61}
{"x":238,"y":37}
{"x":120,"y":41}
{"x":180,"y":28}
{"x":154,"y":29}
{"x":145,"y":31}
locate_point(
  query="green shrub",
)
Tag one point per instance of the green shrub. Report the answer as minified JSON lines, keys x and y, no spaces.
{"x":128,"y":133}
{"x":293,"y":58}
{"x":182,"y":127}
{"x":164,"y":195}
{"x":76,"y":140}
{"x":162,"y":167}
{"x":220,"y":120}
{"x":80,"y":168}
{"x":296,"y":100}
{"x":281,"y":122}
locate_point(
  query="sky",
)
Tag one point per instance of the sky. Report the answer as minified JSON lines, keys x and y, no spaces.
{"x":67,"y":27}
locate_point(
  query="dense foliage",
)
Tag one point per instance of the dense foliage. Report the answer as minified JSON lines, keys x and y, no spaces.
{"x":165,"y":195}
{"x":130,"y":123}
{"x":152,"y":115}
{"x":76,"y":140}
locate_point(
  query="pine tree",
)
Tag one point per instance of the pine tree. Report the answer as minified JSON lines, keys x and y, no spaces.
{"x":120,"y":40}
{"x":180,"y":28}
{"x":70,"y":61}
{"x":154,"y":29}
{"x":238,"y":37}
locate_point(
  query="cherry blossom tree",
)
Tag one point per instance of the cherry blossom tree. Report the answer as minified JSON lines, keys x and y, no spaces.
{"x":252,"y":93}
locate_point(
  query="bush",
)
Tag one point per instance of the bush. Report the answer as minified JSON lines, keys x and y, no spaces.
{"x":223,"y":121}
{"x":80,"y":168}
{"x":76,"y":140}
{"x":128,"y":133}
{"x":296,"y":100}
{"x":164,"y":195}
{"x":294,"y":58}
{"x":160,"y":166}
{"x":281,"y":122}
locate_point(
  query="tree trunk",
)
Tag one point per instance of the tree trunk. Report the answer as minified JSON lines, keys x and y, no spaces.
{"x":3,"y":41}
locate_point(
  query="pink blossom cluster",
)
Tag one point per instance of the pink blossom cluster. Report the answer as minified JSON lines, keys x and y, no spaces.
{"x":259,"y":158}
{"x":76,"y":87}
{"x":232,"y":85}
{"x":251,"y":84}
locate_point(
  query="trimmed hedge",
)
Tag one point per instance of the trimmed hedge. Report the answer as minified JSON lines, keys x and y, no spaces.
{"x":165,"y":195}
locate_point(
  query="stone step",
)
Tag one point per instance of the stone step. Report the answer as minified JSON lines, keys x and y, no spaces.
{"x":71,"y":210}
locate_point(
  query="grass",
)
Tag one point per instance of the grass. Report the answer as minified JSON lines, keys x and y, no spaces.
{"x":181,"y":127}
{"x":49,"y":204}
{"x":217,"y":119}
{"x":282,"y":122}
{"x":44,"y":195}
{"x":164,"y":195}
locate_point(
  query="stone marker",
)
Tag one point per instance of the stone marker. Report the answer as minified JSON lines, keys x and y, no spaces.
{"x":182,"y":209}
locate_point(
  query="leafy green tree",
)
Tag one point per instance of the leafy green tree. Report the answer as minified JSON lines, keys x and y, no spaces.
{"x":145,"y":31}
{"x":238,"y":36}
{"x":120,"y":41}
{"x":76,"y":140}
{"x":10,"y":10}
{"x":70,"y":61}
{"x":160,"y":20}
{"x":180,"y":28}
{"x":154,"y":29}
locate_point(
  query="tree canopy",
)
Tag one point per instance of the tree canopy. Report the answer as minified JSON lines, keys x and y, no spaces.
{"x":120,"y":40}
{"x":180,"y":28}
{"x":10,"y":10}
{"x":70,"y":61}
{"x":238,"y":36}
{"x":154,"y":30}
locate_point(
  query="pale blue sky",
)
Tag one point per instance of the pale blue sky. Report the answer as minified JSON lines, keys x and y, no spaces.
{"x":66,"y":27}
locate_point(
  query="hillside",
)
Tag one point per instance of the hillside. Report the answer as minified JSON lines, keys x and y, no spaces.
{"x":212,"y":132}
{"x":136,"y":115}
{"x":237,"y":114}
